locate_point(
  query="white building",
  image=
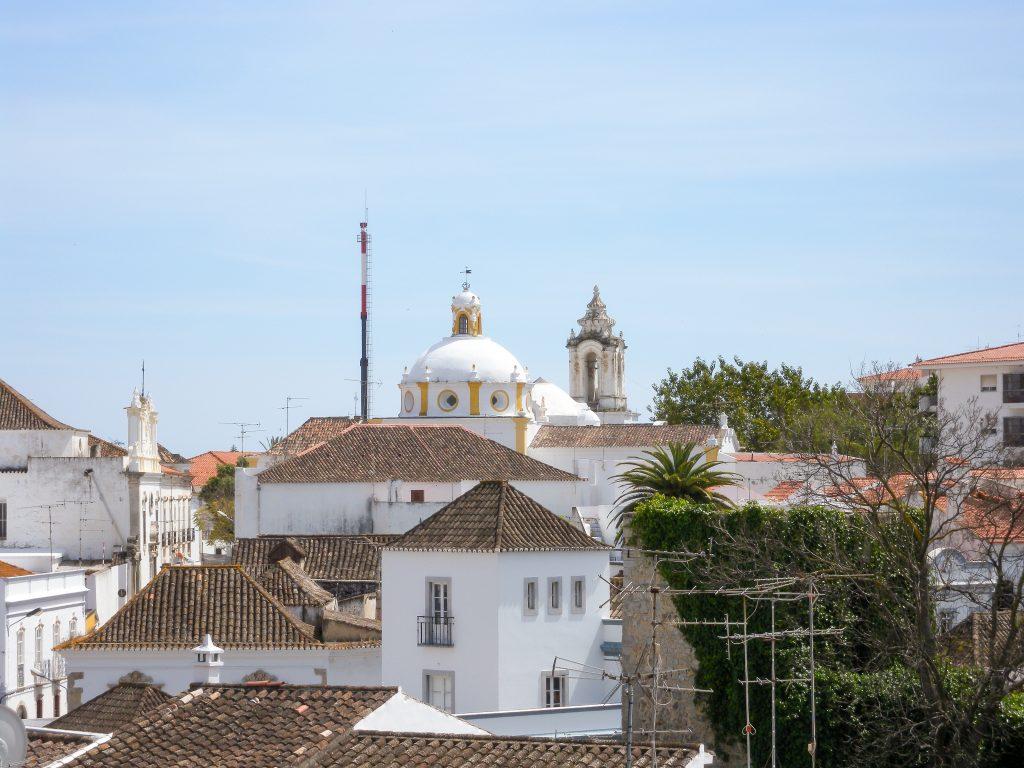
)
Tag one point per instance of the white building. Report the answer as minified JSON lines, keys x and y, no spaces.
{"x":150,"y":639}
{"x":386,"y":478}
{"x":63,"y":489}
{"x":480,"y":599}
{"x":38,"y":611}
{"x":991,"y":380}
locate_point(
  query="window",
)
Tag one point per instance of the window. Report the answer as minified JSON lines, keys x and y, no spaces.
{"x":530,"y":597}
{"x":437,"y":598}
{"x":554,"y":595}
{"x":39,"y":646}
{"x":408,"y":401}
{"x":417,"y":496}
{"x":1013,"y":387}
{"x":22,"y":712}
{"x":56,"y":631}
{"x":988,"y":382}
{"x":1013,"y":431}
{"x":579,"y":594}
{"x":73,"y":627}
{"x":56,"y":701}
{"x":3,"y":520}
{"x":554,"y":691}
{"x":21,"y":657}
{"x":499,"y":400}
{"x":463,"y":324}
{"x":39,"y":707}
{"x":447,"y":400}
{"x":438,"y":690}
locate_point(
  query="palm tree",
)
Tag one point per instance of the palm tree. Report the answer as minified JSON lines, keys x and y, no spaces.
{"x":678,"y":470}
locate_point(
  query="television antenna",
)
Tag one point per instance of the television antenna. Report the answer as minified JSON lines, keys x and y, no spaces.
{"x":243,"y":427}
{"x":287,"y":408}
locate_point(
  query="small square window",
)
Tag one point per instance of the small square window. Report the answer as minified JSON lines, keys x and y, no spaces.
{"x":439,"y":689}
{"x":988,"y":383}
{"x":579,"y":594}
{"x":417,"y":496}
{"x":554,"y":595}
{"x":530,"y":597}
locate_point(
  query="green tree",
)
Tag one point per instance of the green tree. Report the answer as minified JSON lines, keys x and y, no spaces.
{"x":678,"y":471}
{"x":759,"y":401}
{"x":217,"y":515}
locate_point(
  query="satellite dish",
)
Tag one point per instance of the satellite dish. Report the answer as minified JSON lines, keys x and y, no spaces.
{"x":13,"y":739}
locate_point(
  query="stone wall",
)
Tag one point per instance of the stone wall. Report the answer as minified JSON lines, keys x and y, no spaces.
{"x":678,"y":716}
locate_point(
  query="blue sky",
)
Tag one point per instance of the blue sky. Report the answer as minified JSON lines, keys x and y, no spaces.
{"x":815,"y":183}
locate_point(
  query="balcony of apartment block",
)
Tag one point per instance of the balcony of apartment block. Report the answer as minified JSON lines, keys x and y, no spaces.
{"x":434,"y":630}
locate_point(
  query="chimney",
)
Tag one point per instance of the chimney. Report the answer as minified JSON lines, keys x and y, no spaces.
{"x":208,"y":660}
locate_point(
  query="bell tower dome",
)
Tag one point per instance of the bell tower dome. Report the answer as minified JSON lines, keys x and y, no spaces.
{"x":597,"y":364}
{"x":467,"y":319}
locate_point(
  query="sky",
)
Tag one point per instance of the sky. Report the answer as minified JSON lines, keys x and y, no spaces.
{"x":821,"y":184}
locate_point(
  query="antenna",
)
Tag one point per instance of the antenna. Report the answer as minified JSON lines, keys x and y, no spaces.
{"x":143,"y":378}
{"x":287,"y":411}
{"x":364,"y":314}
{"x":242,"y":426}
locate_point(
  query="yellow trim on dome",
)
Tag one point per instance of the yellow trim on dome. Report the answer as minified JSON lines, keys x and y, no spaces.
{"x":474,"y":398}
{"x":519,"y":396}
{"x":424,"y":391}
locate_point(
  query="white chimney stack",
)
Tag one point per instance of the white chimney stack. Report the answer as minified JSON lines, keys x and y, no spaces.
{"x":208,"y":660}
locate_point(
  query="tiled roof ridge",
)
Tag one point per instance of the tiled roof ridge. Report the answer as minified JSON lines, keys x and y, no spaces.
{"x":500,"y":524}
{"x":300,"y":626}
{"x":36,"y":411}
{"x":584,"y":741}
{"x":950,"y":358}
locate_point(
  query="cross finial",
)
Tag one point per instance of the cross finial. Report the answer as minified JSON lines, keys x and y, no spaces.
{"x":143,"y":378}
{"x":465,"y":280}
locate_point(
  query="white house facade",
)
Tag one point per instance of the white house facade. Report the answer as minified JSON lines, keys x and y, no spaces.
{"x":480,"y":600}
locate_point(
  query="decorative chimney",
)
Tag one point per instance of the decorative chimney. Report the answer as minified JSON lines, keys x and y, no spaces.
{"x":208,"y":660}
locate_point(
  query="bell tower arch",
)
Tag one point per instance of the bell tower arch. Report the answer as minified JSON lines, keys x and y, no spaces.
{"x":597,"y":364}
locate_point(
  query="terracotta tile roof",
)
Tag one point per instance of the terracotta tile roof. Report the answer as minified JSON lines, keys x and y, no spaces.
{"x":113,"y":708}
{"x":289,"y":583}
{"x":621,"y":435}
{"x":18,"y":412}
{"x":45,"y":748}
{"x":172,"y":471}
{"x":784,"y":490}
{"x":107,"y":449}
{"x":1007,"y":353}
{"x":184,"y":602}
{"x":783,"y":458}
{"x":353,"y":619}
{"x":6,"y":569}
{"x":168,"y":456}
{"x":900,"y":374}
{"x":353,"y":557}
{"x":312,"y":432}
{"x":991,"y":517}
{"x":495,"y":517}
{"x":424,"y":453}
{"x":225,"y":726}
{"x":204,"y":466}
{"x":407,"y":750}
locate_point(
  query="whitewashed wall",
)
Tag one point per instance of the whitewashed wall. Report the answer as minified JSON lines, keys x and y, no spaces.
{"x":176,"y":670}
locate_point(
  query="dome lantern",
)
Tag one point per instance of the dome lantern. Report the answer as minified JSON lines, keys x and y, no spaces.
{"x":467,"y":319}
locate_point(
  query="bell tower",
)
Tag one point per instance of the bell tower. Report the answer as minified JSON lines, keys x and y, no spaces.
{"x":597,"y":364}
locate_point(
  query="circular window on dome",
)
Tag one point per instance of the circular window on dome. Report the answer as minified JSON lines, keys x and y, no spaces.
{"x":408,"y":401}
{"x":447,"y":400}
{"x":499,"y":400}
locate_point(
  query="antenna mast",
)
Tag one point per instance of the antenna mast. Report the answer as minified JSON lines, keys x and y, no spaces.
{"x":364,"y":318}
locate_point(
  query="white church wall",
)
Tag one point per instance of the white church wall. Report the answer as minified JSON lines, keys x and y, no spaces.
{"x":560,"y":496}
{"x":105,"y":585}
{"x":309,"y":508}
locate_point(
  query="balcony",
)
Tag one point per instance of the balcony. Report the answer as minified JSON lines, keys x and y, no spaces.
{"x":42,"y":669}
{"x":434,"y":630}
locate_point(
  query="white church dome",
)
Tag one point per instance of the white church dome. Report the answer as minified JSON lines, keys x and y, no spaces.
{"x":465,"y":300}
{"x":557,"y":407}
{"x":467,"y":358}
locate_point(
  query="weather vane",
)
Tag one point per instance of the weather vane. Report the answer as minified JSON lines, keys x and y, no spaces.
{"x":465,"y":282}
